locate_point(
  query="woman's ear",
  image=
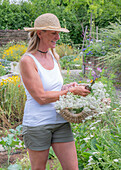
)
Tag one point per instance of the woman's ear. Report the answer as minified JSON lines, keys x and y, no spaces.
{"x":39,"y":34}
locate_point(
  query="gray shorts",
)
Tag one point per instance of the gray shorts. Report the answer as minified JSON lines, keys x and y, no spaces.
{"x":41,"y":137}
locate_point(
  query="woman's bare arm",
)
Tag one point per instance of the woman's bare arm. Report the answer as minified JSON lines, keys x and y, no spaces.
{"x":34,"y":85}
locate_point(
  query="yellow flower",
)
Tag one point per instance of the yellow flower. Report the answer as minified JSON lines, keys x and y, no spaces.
{"x":14,"y":52}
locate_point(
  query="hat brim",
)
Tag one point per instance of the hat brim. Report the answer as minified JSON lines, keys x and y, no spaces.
{"x":46,"y":28}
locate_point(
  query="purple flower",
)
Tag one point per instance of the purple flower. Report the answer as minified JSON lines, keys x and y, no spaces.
{"x":99,"y":69}
{"x":83,"y":49}
{"x":88,"y":80}
{"x":93,"y":73}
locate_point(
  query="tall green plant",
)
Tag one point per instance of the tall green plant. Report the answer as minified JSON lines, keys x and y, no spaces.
{"x":11,"y":141}
{"x":112,"y":42}
{"x":12,"y":100}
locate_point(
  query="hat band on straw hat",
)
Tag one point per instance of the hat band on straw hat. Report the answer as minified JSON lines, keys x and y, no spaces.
{"x":47,"y":28}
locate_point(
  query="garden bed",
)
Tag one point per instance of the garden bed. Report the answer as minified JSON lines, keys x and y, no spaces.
{"x":18,"y":155}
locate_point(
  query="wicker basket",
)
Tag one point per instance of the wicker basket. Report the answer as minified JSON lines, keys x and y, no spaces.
{"x":76,"y":118}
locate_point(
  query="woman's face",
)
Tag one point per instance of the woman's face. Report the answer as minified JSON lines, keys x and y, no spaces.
{"x":49,"y":38}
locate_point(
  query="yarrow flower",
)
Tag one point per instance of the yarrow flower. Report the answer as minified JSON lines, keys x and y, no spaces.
{"x":91,"y":103}
{"x":115,"y":160}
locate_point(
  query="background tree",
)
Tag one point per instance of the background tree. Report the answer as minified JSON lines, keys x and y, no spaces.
{"x":71,"y":13}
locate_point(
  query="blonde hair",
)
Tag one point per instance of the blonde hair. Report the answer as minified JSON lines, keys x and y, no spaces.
{"x":34,"y":44}
{"x":56,"y":56}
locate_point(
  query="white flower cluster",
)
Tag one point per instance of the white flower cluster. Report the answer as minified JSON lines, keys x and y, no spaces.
{"x":91,"y":102}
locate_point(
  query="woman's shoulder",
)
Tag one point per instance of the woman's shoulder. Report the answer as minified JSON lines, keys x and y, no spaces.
{"x":26,"y":59}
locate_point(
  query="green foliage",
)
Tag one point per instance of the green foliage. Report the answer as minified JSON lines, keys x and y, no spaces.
{"x":52,"y":154}
{"x":65,"y":50}
{"x":2,"y":70}
{"x":23,"y":164}
{"x":15,"y":167}
{"x":14,"y":16}
{"x":98,"y":141}
{"x":12,"y":100}
{"x":110,"y":13}
{"x":11,"y":141}
{"x":14,"y":52}
{"x":112,"y":42}
{"x":94,"y":49}
{"x":71,"y":61}
{"x":70,"y":13}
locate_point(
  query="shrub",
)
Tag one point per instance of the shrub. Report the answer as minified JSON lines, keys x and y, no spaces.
{"x":64,"y":50}
{"x":71,"y":62}
{"x":112,"y":58}
{"x":95,"y":48}
{"x":12,"y":101}
{"x":2,"y":70}
{"x":14,"y":53}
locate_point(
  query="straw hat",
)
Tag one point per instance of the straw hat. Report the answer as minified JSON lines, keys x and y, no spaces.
{"x":47,"y":21}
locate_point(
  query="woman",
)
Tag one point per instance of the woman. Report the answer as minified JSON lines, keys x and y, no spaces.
{"x":40,"y":72}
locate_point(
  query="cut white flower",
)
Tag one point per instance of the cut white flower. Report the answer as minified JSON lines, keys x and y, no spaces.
{"x":100,"y":158}
{"x":115,"y":160}
{"x":95,"y":153}
{"x":86,"y":139}
{"x":89,"y":104}
{"x":92,"y":128}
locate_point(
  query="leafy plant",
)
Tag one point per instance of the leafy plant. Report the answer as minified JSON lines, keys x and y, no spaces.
{"x":2,"y":70}
{"x":14,"y":52}
{"x":15,"y":167}
{"x":71,"y":61}
{"x":65,"y":50}
{"x":11,"y":141}
{"x":23,"y":164}
{"x":12,"y":100}
{"x":52,"y":154}
{"x":112,"y":59}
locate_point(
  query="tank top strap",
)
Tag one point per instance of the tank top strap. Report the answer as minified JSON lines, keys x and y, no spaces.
{"x":35,"y":60}
{"x":32,"y":56}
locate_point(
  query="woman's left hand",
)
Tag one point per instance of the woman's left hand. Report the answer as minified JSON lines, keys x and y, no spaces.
{"x":67,"y":86}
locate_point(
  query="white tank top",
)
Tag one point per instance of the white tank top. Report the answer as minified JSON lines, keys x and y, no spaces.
{"x":36,"y":114}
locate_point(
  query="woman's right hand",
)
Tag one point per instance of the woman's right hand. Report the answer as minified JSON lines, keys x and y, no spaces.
{"x":80,"y":90}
